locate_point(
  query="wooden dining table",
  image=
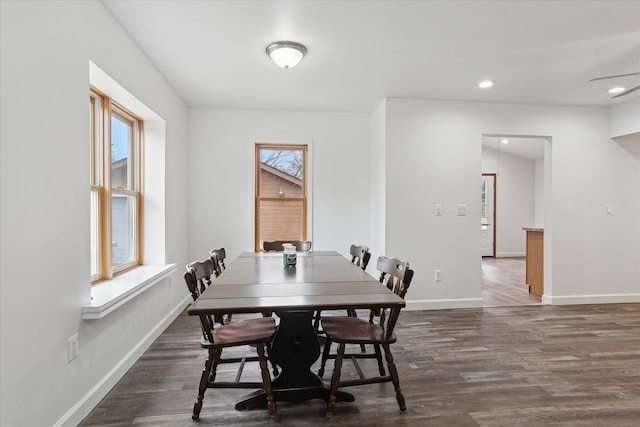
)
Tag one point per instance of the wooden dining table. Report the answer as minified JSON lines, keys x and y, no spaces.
{"x":321,"y":280}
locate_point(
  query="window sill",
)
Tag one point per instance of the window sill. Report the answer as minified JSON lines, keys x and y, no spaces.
{"x":111,"y":294}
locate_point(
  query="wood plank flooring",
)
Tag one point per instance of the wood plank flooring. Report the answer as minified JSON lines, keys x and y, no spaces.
{"x":504,"y":284}
{"x":497,"y":366}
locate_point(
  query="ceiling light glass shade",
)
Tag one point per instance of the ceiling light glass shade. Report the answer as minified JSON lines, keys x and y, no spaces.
{"x":485,"y":84}
{"x":505,"y":141}
{"x":286,"y":54}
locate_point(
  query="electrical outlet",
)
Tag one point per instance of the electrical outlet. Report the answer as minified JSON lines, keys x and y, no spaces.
{"x":438,"y":210}
{"x":73,"y":349}
{"x":437,"y":275}
{"x":462,"y":209}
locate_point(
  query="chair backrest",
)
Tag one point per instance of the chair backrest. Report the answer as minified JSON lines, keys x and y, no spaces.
{"x":395,"y":274}
{"x":218,"y":255}
{"x":360,"y":256}
{"x":199,"y":279}
{"x":276,"y":245}
{"x":207,"y":322}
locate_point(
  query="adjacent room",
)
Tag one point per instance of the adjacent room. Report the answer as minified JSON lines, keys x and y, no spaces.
{"x":456,"y":185}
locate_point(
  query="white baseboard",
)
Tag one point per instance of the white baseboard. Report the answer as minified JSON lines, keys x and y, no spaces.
{"x":590,"y":299}
{"x":510,"y":254}
{"x":90,"y":400}
{"x":444,"y":304}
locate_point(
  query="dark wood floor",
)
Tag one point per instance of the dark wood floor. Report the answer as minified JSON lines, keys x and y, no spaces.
{"x":497,"y":366}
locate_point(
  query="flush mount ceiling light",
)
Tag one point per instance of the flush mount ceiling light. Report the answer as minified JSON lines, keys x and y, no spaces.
{"x":504,"y":141}
{"x":485,"y":84}
{"x":286,"y":54}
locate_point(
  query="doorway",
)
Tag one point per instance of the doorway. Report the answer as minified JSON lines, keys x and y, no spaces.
{"x":488,"y":217}
{"x":515,"y":174}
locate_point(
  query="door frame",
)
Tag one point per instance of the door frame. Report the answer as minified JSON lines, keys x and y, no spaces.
{"x":493,"y":210}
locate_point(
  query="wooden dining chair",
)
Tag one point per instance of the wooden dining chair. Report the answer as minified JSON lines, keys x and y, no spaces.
{"x":202,"y":271}
{"x":216,"y":337}
{"x":276,"y":245}
{"x":219,"y":255}
{"x":360,"y":256}
{"x":396,"y":275}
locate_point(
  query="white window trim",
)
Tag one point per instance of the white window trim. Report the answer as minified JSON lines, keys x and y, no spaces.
{"x":111,"y":294}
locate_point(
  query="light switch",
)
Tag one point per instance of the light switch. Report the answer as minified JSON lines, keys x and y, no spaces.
{"x":607,"y":209}
{"x":438,"y":210}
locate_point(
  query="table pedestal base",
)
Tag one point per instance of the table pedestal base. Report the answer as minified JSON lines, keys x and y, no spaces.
{"x":295,"y":348}
{"x":258,"y":399}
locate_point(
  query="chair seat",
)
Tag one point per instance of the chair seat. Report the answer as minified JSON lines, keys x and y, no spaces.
{"x":251,"y":331}
{"x":355,"y":331}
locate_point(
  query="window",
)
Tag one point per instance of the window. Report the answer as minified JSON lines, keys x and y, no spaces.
{"x":116,"y":196}
{"x":281,"y":193}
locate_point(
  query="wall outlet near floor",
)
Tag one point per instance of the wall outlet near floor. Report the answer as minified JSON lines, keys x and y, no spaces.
{"x":73,"y":349}
{"x":462,"y":209}
{"x":437,"y":275}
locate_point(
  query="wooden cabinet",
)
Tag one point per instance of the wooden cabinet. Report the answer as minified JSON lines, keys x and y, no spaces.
{"x":535,"y":260}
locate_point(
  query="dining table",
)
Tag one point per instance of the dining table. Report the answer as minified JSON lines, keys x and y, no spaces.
{"x":260,"y":282}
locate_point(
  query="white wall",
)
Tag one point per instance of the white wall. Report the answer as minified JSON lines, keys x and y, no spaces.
{"x":625,"y":119}
{"x":222,"y":153}
{"x":378,"y":172}
{"x":515,"y":199}
{"x":434,"y":156}
{"x":46,"y":47}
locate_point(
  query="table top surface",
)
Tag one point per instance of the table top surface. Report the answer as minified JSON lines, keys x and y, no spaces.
{"x":325,"y":280}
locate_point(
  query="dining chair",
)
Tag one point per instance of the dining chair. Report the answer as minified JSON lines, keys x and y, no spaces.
{"x":202,"y":272}
{"x":396,"y":275}
{"x":216,"y":337}
{"x":276,"y":245}
{"x":219,"y":255}
{"x":360,"y":256}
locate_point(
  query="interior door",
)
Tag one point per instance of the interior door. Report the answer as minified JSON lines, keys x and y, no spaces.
{"x":488,"y":218}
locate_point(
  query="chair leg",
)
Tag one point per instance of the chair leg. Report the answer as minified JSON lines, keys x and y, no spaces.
{"x":204,"y":382}
{"x":217,"y":354}
{"x":394,"y":377}
{"x":316,"y":321}
{"x":325,"y":356}
{"x":266,"y":383}
{"x":335,"y":381}
{"x":376,"y":347}
{"x":274,"y":367}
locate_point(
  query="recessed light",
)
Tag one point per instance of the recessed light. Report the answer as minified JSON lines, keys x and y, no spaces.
{"x":505,"y":141}
{"x":485,"y":84}
{"x":617,"y":89}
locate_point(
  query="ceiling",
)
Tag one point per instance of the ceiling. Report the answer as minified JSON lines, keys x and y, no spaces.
{"x":360,"y":52}
{"x":526,"y":147}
